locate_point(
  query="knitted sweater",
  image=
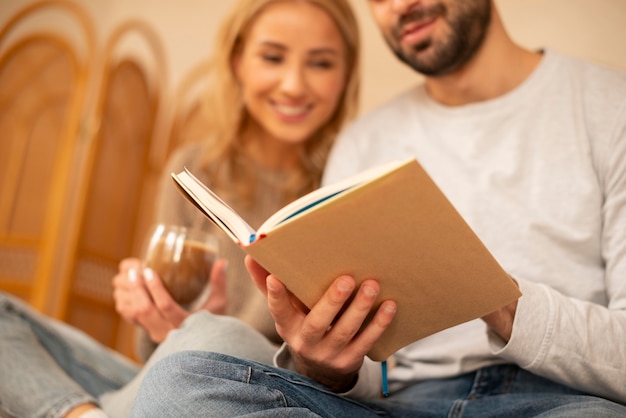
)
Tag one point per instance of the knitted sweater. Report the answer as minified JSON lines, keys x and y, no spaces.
{"x":245,"y":301}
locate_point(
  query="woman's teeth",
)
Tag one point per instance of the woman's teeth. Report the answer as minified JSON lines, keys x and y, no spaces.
{"x":291,"y":110}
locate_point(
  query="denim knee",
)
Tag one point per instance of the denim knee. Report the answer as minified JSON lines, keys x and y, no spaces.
{"x":196,"y":383}
{"x":192,"y":383}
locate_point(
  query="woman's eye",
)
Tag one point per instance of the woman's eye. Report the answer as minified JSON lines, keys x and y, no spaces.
{"x":273,"y":58}
{"x":321,"y":64}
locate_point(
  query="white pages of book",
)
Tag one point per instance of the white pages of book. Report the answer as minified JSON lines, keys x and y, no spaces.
{"x":240,"y":231}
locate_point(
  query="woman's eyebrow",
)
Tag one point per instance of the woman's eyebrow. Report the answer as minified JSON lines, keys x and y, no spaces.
{"x":331,"y":51}
{"x":320,"y":50}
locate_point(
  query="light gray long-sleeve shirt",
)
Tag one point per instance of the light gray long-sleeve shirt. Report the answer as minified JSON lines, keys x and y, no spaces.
{"x":540,"y":175}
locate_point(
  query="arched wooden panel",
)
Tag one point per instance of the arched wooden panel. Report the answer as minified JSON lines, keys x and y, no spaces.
{"x":113,"y":198}
{"x":120,"y":177}
{"x":34,"y":110}
{"x":42,"y":90}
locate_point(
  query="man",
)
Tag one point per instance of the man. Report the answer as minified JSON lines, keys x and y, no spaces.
{"x":530,"y":147}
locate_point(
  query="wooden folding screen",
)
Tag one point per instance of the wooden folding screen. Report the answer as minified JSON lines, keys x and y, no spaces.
{"x":120,"y":176}
{"x":82,"y":145}
{"x":43,"y":82}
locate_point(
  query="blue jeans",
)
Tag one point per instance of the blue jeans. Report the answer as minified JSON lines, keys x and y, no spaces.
{"x":47,"y":367}
{"x":204,"y":384}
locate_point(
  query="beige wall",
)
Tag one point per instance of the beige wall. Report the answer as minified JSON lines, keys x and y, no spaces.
{"x":594,"y":29}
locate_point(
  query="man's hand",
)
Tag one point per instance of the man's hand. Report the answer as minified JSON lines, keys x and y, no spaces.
{"x":326,"y":342}
{"x":501,"y":321}
{"x":141,"y":298}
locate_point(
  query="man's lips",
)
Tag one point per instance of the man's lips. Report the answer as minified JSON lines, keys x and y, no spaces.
{"x":416,"y":31}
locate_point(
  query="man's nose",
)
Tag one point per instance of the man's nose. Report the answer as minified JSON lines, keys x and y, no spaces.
{"x":403,"y":6}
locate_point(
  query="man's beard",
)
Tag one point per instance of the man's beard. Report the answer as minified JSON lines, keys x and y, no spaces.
{"x":468,"y":28}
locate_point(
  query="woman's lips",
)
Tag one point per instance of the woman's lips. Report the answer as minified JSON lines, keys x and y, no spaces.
{"x":292,"y":112}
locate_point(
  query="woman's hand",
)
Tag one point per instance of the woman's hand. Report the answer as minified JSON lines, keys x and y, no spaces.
{"x":325,"y":341}
{"x":141,"y":298}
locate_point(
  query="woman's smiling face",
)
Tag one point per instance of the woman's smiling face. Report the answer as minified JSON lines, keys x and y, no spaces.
{"x":292,"y":71}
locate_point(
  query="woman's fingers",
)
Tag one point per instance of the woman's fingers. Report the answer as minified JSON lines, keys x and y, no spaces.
{"x":167,"y":307}
{"x":217,"y":301}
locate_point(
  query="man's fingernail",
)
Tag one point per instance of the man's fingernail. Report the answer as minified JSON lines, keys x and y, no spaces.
{"x":389,"y":308}
{"x":132,"y":275}
{"x":345,"y":285}
{"x":271,"y":284}
{"x":148,"y":274}
{"x":370,"y":291}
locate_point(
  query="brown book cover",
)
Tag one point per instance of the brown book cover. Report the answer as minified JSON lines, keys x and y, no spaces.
{"x":393,"y":225}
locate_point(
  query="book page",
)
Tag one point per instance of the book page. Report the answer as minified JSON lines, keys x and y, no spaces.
{"x":324,"y":194}
{"x":214,"y":207}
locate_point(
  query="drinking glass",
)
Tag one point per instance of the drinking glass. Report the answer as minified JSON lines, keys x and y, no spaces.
{"x":183,"y":258}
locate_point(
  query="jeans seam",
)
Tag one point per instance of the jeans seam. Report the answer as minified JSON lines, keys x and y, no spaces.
{"x":510,"y":377}
{"x":321,"y":389}
{"x":456,"y":410}
{"x":472,"y":395}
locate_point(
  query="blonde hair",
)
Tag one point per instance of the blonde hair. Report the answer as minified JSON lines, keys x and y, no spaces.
{"x":227,"y":115}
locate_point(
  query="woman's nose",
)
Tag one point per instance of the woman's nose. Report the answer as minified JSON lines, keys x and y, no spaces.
{"x":294,"y":81}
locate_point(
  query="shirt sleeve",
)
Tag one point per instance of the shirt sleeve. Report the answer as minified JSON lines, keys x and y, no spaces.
{"x":575,"y":342}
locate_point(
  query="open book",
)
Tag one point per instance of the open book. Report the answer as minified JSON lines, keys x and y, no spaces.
{"x":390,"y":223}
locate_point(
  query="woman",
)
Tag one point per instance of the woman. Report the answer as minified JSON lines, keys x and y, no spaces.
{"x":285,"y":80}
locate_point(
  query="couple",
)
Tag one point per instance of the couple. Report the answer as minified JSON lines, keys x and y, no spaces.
{"x":529,"y":146}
